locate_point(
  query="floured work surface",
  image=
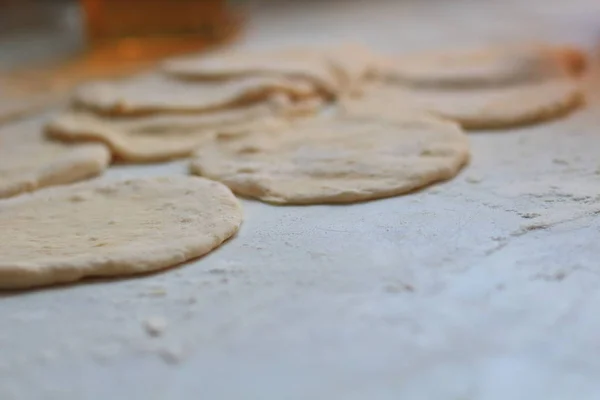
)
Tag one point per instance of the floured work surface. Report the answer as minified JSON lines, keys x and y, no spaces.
{"x":482,"y":288}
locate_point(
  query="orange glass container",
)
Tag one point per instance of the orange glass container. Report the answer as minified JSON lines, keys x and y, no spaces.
{"x":128,"y":36}
{"x":154,"y":28}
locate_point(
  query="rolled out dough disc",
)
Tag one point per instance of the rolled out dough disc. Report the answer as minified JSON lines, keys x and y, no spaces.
{"x":335,"y":70}
{"x":112,"y":228}
{"x":485,"y":108}
{"x":300,"y":63}
{"x":152,"y":93}
{"x":485,"y":67}
{"x":336,"y":160}
{"x":29,"y":161}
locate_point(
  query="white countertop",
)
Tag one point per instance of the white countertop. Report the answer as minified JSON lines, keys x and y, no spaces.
{"x":483,"y":288}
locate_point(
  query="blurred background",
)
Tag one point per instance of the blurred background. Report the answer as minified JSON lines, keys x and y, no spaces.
{"x":46,"y":45}
{"x":54,"y":29}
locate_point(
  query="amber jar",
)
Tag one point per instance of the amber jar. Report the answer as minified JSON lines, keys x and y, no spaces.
{"x":152,"y":28}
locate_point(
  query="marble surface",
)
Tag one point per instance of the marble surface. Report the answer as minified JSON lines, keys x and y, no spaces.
{"x":482,"y":288}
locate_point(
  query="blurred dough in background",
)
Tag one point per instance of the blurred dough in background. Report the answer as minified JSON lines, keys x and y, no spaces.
{"x":30,"y":161}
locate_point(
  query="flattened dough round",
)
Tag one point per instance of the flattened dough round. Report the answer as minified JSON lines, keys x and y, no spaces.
{"x":29,"y":161}
{"x":335,"y":70}
{"x":153,"y":93}
{"x":485,"y":108}
{"x":485,"y":67}
{"x":112,"y":228}
{"x":163,"y":137}
{"x":302,"y":63}
{"x":336,"y":160}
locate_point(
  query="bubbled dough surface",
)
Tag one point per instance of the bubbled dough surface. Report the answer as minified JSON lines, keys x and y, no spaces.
{"x":336,"y":160}
{"x":112,"y":228}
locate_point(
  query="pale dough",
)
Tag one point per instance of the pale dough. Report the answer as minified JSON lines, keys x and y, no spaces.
{"x":485,"y":108}
{"x":336,"y":159}
{"x":484,"y":67}
{"x":29,"y":161}
{"x":335,"y":70}
{"x":354,"y":64}
{"x":152,"y":93}
{"x":115,"y":228}
{"x":299,"y":63}
{"x":164,"y":137}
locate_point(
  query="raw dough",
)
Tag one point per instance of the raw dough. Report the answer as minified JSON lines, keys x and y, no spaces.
{"x":353,"y":63}
{"x":29,"y":161}
{"x":300,"y":63}
{"x":335,"y":70}
{"x":163,"y":137}
{"x":486,"y":108}
{"x":485,"y":67}
{"x":112,"y":228}
{"x":153,"y":93}
{"x":336,"y":159}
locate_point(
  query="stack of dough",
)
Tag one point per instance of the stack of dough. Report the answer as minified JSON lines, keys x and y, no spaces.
{"x":171,"y":112}
{"x":396,"y":131}
{"x":292,"y":126}
{"x":489,"y":88}
{"x":111,"y":228}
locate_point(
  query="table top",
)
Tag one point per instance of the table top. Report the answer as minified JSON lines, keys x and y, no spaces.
{"x":481,"y":288}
